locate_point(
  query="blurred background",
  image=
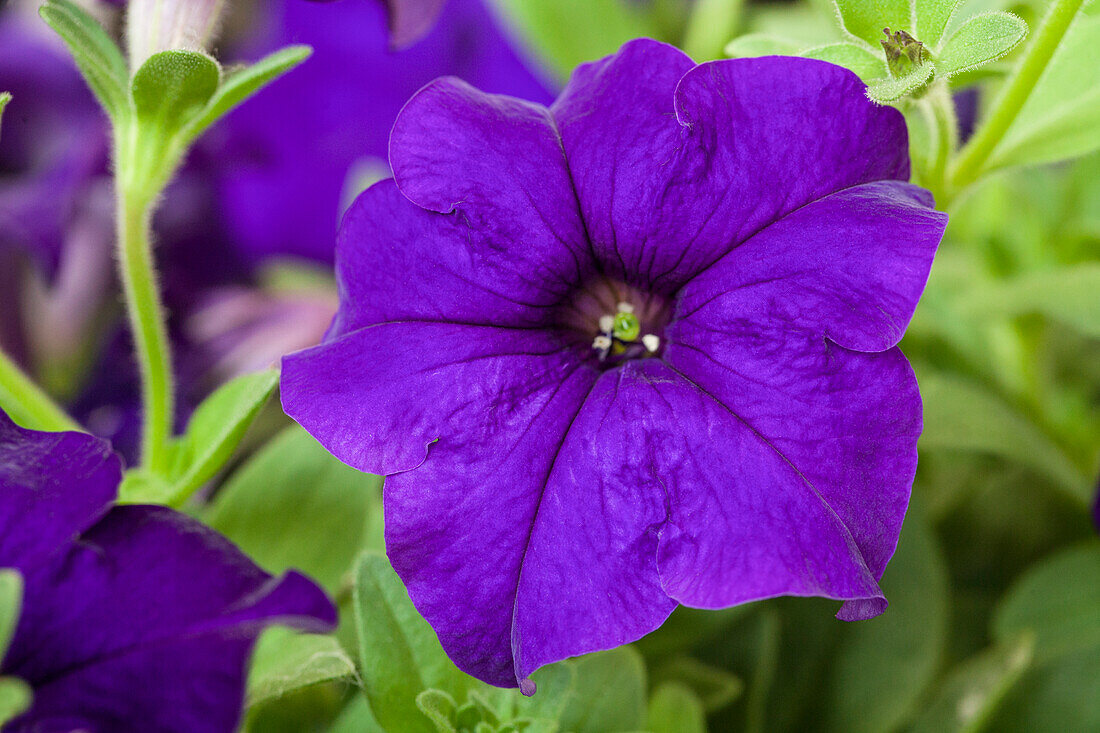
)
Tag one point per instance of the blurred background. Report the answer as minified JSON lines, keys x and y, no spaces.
{"x":994,"y":622}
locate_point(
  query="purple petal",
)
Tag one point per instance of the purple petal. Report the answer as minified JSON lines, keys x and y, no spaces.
{"x":850,"y":267}
{"x":666,"y":190}
{"x":146,"y":624}
{"x":477,"y":412}
{"x":53,"y":486}
{"x":501,"y":171}
{"x":397,"y":262}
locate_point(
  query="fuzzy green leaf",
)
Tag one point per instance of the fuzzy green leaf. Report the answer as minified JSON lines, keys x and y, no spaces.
{"x":866,"y":19}
{"x":285,"y":660}
{"x":172,"y":87}
{"x":399,"y":654}
{"x":866,"y":64}
{"x":240,"y":85}
{"x":891,"y":89}
{"x":981,"y":40}
{"x":97,"y":56}
{"x":294,"y":505}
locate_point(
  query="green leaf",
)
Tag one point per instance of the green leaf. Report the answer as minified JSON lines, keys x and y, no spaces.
{"x":566,"y":33}
{"x":882,"y":666}
{"x":11,"y":602}
{"x":1059,"y":601}
{"x":1068,"y":294}
{"x":172,"y":87}
{"x":891,"y":89}
{"x":240,"y":85}
{"x":356,"y":718}
{"x":440,"y":708}
{"x":866,"y":64}
{"x":214,"y":432}
{"x":867,"y":18}
{"x":1061,"y":118}
{"x":971,"y":692}
{"x":674,"y":708}
{"x":982,"y":39}
{"x":710,"y":24}
{"x":295,"y":505}
{"x":932,"y":17}
{"x":5,"y":97}
{"x":15,"y":697}
{"x":713,"y":686}
{"x":216,"y":429}
{"x":399,"y":654}
{"x":96,"y":55}
{"x":751,"y":45}
{"x":285,"y":660}
{"x":963,"y":415}
{"x":610,"y":690}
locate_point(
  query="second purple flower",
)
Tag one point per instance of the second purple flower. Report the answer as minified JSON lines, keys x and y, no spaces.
{"x":633,"y":350}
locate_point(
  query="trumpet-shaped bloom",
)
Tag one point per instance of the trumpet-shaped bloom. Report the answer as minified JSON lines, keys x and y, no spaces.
{"x":633,"y":350}
{"x":134,"y":618}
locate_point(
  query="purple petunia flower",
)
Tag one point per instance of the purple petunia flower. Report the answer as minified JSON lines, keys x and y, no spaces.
{"x":134,"y":618}
{"x":634,"y":350}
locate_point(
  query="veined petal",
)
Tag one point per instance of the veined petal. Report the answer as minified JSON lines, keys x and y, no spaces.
{"x":676,"y":167}
{"x":848,"y":422}
{"x":397,"y":261}
{"x":850,"y":266}
{"x":496,"y":162}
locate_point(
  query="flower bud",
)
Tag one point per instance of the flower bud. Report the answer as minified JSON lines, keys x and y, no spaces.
{"x":162,"y":25}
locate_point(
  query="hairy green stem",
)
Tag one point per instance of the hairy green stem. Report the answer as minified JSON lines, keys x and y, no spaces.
{"x":136,"y":192}
{"x":1044,"y":43}
{"x":27,"y":404}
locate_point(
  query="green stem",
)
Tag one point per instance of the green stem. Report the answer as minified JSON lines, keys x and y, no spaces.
{"x":1011,"y":100}
{"x":136,"y":194}
{"x":27,"y":404}
{"x":945,"y":127}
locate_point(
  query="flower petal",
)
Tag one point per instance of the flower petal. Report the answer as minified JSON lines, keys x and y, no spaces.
{"x":497,"y":163}
{"x":846,"y":421}
{"x":397,"y":261}
{"x":150,"y":600}
{"x":384,"y":398}
{"x":667,"y":190}
{"x":53,"y":486}
{"x":850,"y":266}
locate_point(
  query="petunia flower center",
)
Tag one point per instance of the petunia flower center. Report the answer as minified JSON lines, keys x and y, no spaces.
{"x":611,"y":322}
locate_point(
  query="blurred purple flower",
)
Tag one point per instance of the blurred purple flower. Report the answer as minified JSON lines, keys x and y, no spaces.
{"x":53,"y":145}
{"x":134,"y":618}
{"x":562,"y":469}
{"x":292,"y":152}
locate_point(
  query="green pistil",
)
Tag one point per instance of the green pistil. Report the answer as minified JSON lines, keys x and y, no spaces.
{"x":627,"y":326}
